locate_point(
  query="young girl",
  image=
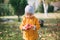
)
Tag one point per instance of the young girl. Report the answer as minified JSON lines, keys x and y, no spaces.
{"x":30,"y":24}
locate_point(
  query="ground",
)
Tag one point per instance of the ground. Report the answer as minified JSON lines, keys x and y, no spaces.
{"x":50,"y":30}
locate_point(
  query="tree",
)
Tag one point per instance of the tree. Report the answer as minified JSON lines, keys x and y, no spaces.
{"x":46,"y":6}
{"x":50,"y":8}
{"x":1,"y":1}
{"x":19,"y":6}
{"x":5,"y":10}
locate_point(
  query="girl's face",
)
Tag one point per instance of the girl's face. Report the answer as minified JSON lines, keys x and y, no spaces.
{"x":29,"y":15}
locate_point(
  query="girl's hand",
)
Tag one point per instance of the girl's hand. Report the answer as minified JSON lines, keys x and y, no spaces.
{"x":34,"y":27}
{"x":24,"y":28}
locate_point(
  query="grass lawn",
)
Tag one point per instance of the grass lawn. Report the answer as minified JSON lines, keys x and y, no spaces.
{"x":50,"y":31}
{"x":10,"y":31}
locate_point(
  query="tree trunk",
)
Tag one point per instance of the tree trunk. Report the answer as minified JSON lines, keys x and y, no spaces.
{"x":18,"y":18}
{"x":45,"y":8}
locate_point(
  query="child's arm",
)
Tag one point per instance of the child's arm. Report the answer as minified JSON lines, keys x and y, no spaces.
{"x":22,"y":24}
{"x":37,"y":24}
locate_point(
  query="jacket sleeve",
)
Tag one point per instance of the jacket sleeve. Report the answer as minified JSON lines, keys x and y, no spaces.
{"x":22,"y":24}
{"x":37,"y":24}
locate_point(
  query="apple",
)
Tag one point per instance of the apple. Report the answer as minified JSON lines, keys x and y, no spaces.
{"x":28,"y":26}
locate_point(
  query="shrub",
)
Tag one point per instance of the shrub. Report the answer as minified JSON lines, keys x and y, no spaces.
{"x":50,"y":8}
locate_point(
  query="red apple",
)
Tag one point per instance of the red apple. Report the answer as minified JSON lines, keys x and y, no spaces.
{"x":28,"y":26}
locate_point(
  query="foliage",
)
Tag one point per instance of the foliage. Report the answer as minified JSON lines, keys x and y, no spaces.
{"x":1,"y":1}
{"x":50,"y":8}
{"x":41,"y":8}
{"x":5,"y":10}
{"x":19,"y":6}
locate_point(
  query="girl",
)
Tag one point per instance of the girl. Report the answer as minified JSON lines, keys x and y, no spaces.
{"x":30,"y":24}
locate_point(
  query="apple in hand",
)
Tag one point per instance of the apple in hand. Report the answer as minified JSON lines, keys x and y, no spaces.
{"x":28,"y":26}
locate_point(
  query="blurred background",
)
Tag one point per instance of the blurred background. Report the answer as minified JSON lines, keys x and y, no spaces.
{"x":47,"y":11}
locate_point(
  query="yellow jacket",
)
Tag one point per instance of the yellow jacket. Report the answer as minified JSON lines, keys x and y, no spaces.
{"x":30,"y":34}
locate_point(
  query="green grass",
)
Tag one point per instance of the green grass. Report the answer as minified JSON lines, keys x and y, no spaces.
{"x":50,"y":33}
{"x":11,"y":31}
